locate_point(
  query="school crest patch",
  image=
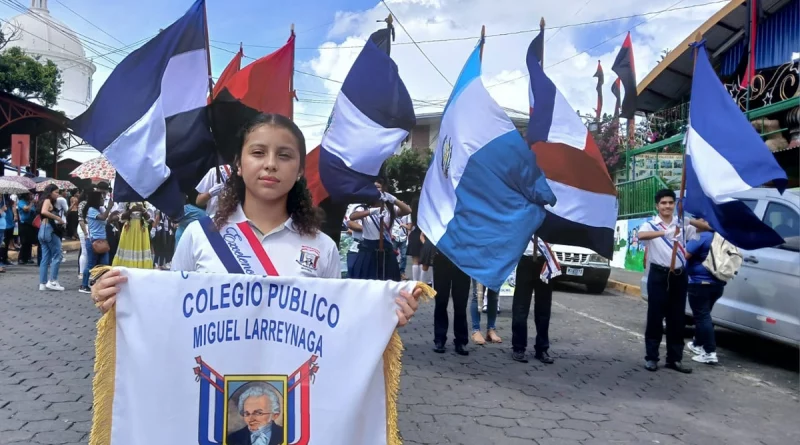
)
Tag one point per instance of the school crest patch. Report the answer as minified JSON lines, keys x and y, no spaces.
{"x":309,"y":257}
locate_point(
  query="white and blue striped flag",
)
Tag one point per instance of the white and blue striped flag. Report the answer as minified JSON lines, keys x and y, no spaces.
{"x":483,"y":196}
{"x":726,"y":156}
{"x":149,"y":118}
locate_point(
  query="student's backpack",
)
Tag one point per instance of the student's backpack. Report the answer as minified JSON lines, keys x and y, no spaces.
{"x":724,"y":260}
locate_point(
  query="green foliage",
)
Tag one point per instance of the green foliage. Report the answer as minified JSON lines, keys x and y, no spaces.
{"x":29,"y":78}
{"x":407,"y":170}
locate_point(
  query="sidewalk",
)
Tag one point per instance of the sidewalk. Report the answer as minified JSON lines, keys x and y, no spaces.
{"x":626,"y":281}
{"x":67,"y":246}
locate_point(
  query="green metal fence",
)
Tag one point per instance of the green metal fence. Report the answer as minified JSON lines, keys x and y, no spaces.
{"x":635,"y":198}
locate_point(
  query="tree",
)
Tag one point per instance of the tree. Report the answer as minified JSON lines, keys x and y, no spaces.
{"x":407,"y":169}
{"x":610,"y":141}
{"x":28,"y":78}
{"x":31,"y":79}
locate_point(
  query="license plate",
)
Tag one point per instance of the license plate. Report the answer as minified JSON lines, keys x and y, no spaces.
{"x":575,"y":271}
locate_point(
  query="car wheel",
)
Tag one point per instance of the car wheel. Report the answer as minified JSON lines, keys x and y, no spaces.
{"x":596,"y":288}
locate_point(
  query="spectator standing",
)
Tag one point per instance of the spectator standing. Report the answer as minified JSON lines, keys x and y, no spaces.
{"x":704,"y":290}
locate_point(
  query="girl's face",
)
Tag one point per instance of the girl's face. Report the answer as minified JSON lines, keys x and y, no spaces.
{"x":54,"y":195}
{"x":270,"y":162}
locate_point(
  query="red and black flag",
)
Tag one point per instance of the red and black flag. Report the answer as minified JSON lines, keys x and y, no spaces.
{"x":264,"y":86}
{"x":233,"y":67}
{"x":600,"y":80}
{"x":626,"y":70}
{"x":754,"y":13}
{"x":615,"y":91}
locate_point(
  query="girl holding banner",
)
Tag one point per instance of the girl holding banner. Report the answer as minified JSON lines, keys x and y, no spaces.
{"x":265,"y":213}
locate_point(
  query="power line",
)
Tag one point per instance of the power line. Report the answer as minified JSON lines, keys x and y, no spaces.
{"x":599,"y":44}
{"x":68,"y":33}
{"x":502,"y":34}
{"x":89,"y":22}
{"x":576,"y":14}
{"x":416,"y":44}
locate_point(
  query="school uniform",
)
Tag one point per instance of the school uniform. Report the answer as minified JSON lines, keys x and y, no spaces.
{"x":358,"y":236}
{"x":529,"y":285}
{"x":289,"y":252}
{"x":370,"y":264}
{"x":211,"y":179}
{"x":666,"y":292}
{"x":449,"y":281}
{"x":400,"y":240}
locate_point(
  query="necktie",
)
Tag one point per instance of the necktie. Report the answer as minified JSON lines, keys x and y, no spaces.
{"x":258,"y":438}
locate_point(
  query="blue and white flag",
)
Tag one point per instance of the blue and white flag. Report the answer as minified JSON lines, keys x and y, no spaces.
{"x":372,"y":115}
{"x":483,"y":196}
{"x":149,"y":118}
{"x":726,"y":156}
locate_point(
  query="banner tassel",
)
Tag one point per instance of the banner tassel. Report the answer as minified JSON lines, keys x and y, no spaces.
{"x":105,"y":349}
{"x":392,"y":368}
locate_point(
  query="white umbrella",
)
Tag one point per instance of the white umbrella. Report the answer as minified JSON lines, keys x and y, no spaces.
{"x":11,"y":188}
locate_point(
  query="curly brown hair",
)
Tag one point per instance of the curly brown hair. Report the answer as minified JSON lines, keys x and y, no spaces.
{"x":306,"y":219}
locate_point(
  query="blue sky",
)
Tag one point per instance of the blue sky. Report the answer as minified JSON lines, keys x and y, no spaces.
{"x":334,"y":24}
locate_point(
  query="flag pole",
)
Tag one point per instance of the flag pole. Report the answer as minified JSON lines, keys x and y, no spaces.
{"x":483,"y":40}
{"x":535,"y":239}
{"x":292,"y":93}
{"x":697,"y":39}
{"x":208,"y":52}
{"x":381,"y":251}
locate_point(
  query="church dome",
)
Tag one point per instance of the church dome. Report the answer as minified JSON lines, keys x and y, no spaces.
{"x":42,"y":35}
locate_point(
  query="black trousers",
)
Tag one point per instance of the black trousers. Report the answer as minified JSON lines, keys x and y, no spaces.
{"x":8,"y":239}
{"x":528,"y":283}
{"x":666,"y":299}
{"x":28,"y":238}
{"x":449,"y":280}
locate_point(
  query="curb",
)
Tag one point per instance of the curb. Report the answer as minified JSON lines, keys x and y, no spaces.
{"x":625,"y":288}
{"x":67,"y":246}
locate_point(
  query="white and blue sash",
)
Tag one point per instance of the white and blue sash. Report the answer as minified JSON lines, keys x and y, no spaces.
{"x":238,"y":248}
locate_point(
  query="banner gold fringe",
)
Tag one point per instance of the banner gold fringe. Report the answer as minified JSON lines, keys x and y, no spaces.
{"x":392,"y":367}
{"x":105,"y":363}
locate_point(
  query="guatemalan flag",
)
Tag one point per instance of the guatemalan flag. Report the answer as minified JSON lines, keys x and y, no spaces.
{"x":149,"y":118}
{"x":483,"y":196}
{"x":726,"y":156}
{"x":586,"y":212}
{"x":371,"y":117}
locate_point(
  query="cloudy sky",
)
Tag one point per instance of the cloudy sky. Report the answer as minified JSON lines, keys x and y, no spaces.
{"x":331,"y":33}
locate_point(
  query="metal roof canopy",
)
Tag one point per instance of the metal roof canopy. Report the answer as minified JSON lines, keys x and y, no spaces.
{"x":671,"y":79}
{"x":20,"y":116}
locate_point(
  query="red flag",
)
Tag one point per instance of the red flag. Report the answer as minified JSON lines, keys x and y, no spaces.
{"x":753,"y":13}
{"x":233,"y":67}
{"x":264,"y":86}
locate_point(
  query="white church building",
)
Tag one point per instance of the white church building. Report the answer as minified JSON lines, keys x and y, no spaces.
{"x":40,"y":34}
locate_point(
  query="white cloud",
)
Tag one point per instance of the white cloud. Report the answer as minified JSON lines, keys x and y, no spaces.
{"x":504,"y":56}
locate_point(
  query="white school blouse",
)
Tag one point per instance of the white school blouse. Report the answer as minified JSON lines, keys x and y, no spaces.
{"x":284,"y":245}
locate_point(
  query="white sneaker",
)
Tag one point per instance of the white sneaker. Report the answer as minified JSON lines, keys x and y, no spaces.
{"x":709,"y":358}
{"x":53,"y":285}
{"x":42,"y":287}
{"x":696,"y":349}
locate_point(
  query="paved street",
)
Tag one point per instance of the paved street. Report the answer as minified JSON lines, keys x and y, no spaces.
{"x":596,"y":392}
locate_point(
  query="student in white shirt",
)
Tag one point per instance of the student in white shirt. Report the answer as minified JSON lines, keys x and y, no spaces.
{"x":210,"y":187}
{"x":357,"y":234}
{"x":400,"y":229}
{"x":666,"y":289}
{"x":268,"y":191}
{"x":376,"y":222}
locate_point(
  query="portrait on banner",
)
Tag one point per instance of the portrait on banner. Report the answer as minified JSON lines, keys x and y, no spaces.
{"x":255,"y":410}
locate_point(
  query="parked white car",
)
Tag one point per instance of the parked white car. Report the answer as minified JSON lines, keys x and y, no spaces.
{"x":583,"y":266}
{"x":764,"y":297}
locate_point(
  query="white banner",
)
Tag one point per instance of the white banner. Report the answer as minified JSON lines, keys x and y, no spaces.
{"x":244,"y":360}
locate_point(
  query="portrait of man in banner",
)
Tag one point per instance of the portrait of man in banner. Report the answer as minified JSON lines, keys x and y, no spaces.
{"x":255,"y":410}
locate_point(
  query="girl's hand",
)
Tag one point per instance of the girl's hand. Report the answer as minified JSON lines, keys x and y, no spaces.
{"x":104,"y":292}
{"x":408,"y":306}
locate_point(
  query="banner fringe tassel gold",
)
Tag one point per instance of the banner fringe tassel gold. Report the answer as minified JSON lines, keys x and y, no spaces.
{"x":392,"y":368}
{"x":105,"y":363}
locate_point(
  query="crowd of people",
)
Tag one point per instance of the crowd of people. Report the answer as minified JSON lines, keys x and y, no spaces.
{"x":123,"y":234}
